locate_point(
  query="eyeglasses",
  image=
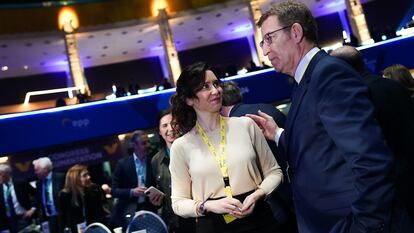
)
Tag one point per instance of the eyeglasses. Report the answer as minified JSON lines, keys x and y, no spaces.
{"x":268,"y":37}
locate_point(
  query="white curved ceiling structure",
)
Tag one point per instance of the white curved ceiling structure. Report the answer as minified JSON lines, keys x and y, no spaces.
{"x":28,"y":54}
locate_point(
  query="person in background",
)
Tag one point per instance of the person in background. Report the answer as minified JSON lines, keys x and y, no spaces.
{"x":339,"y":165}
{"x":16,"y":206}
{"x":60,"y":102}
{"x":395,"y":115}
{"x":280,"y":202}
{"x":233,"y":104}
{"x":81,"y":201}
{"x":162,"y":175}
{"x":252,"y":66}
{"x":166,"y":84}
{"x":48,"y":187}
{"x":402,"y":75}
{"x":221,"y":168}
{"x":130,"y":180}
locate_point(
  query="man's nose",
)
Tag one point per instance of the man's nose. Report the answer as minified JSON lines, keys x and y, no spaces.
{"x":265,"y":49}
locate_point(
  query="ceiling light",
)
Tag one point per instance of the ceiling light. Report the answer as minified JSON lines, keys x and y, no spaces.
{"x":4,"y":68}
{"x":68,"y":15}
{"x":25,"y":67}
{"x":158,"y":5}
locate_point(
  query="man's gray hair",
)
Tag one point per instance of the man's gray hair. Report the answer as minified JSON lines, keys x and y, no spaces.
{"x":43,"y":162}
{"x":135,"y":136}
{"x":5,"y":168}
{"x":290,"y":12}
{"x":231,"y":93}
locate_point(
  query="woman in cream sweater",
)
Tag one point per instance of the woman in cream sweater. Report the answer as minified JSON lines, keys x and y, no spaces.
{"x":221,"y":168}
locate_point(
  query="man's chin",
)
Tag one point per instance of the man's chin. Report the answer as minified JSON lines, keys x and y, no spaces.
{"x":279,"y":70}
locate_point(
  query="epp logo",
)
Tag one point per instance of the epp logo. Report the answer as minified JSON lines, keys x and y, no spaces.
{"x":81,"y":123}
{"x":244,"y":90}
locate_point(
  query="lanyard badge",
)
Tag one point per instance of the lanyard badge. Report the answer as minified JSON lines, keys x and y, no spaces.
{"x":220,"y":159}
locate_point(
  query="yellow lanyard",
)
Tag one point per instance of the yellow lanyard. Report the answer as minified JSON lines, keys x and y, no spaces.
{"x":220,"y":159}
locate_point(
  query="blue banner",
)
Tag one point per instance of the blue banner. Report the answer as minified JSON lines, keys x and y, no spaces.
{"x":64,"y":156}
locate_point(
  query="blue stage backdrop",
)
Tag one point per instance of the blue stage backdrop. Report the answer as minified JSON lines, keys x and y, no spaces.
{"x":69,"y":124}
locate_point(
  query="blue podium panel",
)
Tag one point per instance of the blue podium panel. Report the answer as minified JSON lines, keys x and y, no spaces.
{"x":380,"y":55}
{"x":263,"y":86}
{"x":40,"y":129}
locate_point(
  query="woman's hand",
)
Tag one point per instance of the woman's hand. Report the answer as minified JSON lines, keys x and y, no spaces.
{"x":225,"y":205}
{"x":249,"y":203}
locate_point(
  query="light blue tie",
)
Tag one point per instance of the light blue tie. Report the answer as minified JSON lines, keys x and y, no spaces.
{"x":50,"y":208}
{"x":9,"y":202}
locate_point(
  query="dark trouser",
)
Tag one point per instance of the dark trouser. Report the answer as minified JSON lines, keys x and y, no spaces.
{"x":261,"y":220}
{"x":185,"y":225}
{"x":130,"y":212}
{"x":53,"y":223}
{"x":400,"y":220}
{"x":17,"y":223}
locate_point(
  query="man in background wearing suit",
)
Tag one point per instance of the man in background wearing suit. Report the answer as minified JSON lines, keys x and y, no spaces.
{"x":132,"y":176}
{"x":48,"y":187}
{"x":339,"y":166}
{"x":395,"y":115}
{"x":16,"y":206}
{"x":281,"y":201}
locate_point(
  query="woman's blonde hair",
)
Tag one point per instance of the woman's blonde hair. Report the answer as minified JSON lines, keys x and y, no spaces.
{"x":73,"y":183}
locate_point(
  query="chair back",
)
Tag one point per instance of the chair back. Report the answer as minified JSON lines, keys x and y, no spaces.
{"x":97,"y":228}
{"x":146,"y":221}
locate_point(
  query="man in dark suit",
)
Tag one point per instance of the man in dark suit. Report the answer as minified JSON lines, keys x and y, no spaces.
{"x":339,"y":164}
{"x":48,"y":187}
{"x":281,"y":201}
{"x":16,"y":206}
{"x":132,"y":176}
{"x":395,"y":115}
{"x":233,"y":104}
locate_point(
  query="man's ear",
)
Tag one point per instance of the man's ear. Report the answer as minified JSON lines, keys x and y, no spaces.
{"x":189,"y":102}
{"x":297,"y":32}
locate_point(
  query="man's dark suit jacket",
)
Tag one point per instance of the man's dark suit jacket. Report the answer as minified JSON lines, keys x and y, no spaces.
{"x":281,"y":200}
{"x":25,"y":195}
{"x":395,"y":115}
{"x":340,"y":164}
{"x":124,"y":179}
{"x":58,"y":181}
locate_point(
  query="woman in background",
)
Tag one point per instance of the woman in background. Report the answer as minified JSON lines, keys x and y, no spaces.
{"x":402,"y":75}
{"x":161,"y":173}
{"x":221,"y":168}
{"x":80,"y":201}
